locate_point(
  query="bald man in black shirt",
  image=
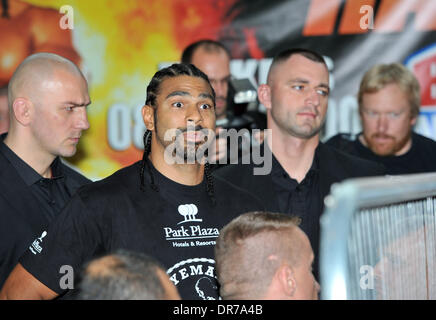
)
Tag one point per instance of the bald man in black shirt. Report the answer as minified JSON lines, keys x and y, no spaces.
{"x":47,"y":99}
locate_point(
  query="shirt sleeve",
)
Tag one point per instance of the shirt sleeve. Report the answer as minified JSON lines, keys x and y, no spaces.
{"x":55,"y":258}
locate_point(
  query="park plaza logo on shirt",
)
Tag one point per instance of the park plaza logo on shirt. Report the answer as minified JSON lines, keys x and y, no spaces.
{"x":189,"y":232}
{"x":188,"y":211}
{"x":35,"y":247}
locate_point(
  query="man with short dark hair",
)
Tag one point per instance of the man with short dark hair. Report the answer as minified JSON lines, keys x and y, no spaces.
{"x":48,"y":96}
{"x":213,"y":59}
{"x":389,"y":101}
{"x":165,"y":205}
{"x":263,"y":255}
{"x":125,"y":275}
{"x":303,"y":168}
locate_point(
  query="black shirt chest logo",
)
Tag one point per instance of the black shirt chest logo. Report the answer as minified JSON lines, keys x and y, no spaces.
{"x":189,"y":213}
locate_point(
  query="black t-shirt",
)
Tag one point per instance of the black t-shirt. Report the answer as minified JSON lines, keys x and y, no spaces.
{"x":420,"y":158}
{"x":177,"y":225}
{"x":28,"y":202}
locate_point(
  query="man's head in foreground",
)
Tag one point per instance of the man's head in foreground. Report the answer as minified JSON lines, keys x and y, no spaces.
{"x":389,"y":102}
{"x":263,"y":255}
{"x":126,"y":275}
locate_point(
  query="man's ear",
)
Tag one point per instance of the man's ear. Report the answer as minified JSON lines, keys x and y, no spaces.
{"x":22,"y":111}
{"x":287,"y":280}
{"x":413,"y":120}
{"x":148,"y":117}
{"x":264,"y":94}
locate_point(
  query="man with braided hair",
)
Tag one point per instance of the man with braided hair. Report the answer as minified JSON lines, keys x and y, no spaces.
{"x":172,"y":211}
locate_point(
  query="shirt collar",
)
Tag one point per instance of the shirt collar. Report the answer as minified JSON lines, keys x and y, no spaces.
{"x":277,"y":169}
{"x":26,"y":172}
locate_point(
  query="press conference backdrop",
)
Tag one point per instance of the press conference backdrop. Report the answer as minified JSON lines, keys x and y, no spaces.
{"x":378,"y":239}
{"x":119,"y":45}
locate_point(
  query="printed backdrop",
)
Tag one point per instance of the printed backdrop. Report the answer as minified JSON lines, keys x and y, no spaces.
{"x":121,"y":44}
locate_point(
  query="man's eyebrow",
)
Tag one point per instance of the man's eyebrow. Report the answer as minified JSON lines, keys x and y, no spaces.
{"x":324,"y":85}
{"x":299,"y":80}
{"x":205,"y":96}
{"x":85,"y":104}
{"x":178,"y":93}
{"x":226,"y":78}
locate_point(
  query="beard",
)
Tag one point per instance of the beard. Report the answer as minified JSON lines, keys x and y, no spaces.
{"x":194,"y":147}
{"x":390,"y":147}
{"x":190,"y":148}
{"x":181,"y":150}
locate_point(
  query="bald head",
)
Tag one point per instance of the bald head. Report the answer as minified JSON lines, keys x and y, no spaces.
{"x":31,"y":75}
{"x":251,"y":248}
{"x":48,"y":98}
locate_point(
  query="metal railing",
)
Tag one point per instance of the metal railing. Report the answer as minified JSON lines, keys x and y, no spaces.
{"x":378,"y":239}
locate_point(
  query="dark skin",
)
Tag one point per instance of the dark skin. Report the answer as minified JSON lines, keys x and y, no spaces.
{"x":181,"y":100}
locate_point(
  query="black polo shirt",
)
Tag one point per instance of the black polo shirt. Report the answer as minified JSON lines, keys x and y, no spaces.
{"x":28,"y":203}
{"x":52,"y":193}
{"x":300,"y":199}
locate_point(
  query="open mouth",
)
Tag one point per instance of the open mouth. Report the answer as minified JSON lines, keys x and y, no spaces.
{"x":194,"y":136}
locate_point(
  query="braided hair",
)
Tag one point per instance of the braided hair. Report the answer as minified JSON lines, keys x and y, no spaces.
{"x":175,"y":70}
